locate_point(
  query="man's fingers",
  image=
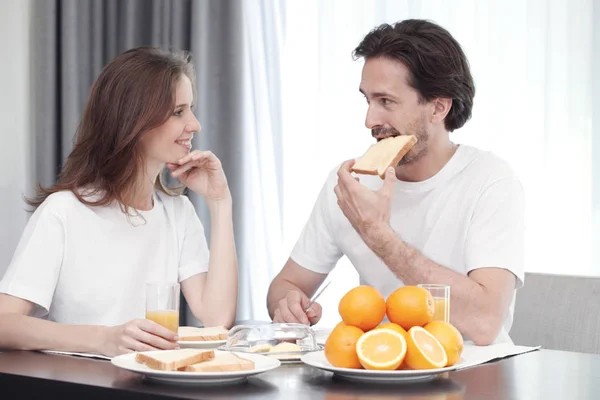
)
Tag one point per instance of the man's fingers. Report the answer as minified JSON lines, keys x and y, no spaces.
{"x":286,"y":314}
{"x":314,"y":313}
{"x":389,"y":183}
{"x":315,"y":309}
{"x":299,"y":313}
{"x":277,"y":316}
{"x":345,"y":173}
{"x":338,"y":192}
{"x":347,"y":165}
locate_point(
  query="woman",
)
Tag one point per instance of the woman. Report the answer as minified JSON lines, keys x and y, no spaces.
{"x":109,"y":225}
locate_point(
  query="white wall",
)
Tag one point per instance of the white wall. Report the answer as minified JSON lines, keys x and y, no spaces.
{"x":15,"y":148}
{"x":596,"y":134}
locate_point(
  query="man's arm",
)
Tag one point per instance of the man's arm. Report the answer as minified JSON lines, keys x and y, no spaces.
{"x":289,"y":294}
{"x":479,"y":301}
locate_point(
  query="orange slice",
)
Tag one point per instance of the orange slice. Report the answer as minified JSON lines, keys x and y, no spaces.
{"x":424,"y":351}
{"x":449,"y":337}
{"x":381,"y":349}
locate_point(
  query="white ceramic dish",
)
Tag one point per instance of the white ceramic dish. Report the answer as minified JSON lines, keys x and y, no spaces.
{"x":318,"y":360}
{"x":262,"y":364}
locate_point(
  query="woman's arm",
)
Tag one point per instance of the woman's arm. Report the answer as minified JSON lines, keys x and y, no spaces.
{"x":20,"y":331}
{"x":212,"y":296}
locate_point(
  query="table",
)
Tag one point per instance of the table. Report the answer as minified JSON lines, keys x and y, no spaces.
{"x":543,"y":374}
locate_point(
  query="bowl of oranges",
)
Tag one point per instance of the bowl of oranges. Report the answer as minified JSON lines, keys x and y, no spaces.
{"x":410,"y":347}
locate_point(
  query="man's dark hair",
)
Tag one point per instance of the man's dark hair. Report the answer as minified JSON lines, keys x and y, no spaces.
{"x":437,"y":64}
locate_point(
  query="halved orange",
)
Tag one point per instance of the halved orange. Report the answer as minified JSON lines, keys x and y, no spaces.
{"x":381,"y":349}
{"x":449,"y":337}
{"x":424,"y":351}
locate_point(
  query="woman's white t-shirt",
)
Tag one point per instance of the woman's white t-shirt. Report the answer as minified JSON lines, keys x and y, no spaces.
{"x":89,"y":265}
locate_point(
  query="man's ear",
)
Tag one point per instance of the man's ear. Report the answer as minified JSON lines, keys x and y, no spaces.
{"x":441,"y":108}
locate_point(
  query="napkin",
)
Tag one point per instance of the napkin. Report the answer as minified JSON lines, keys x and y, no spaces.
{"x":68,"y":353}
{"x":475,"y":355}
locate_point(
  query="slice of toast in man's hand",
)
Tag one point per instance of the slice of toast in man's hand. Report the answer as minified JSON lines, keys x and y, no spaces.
{"x":384,"y":154}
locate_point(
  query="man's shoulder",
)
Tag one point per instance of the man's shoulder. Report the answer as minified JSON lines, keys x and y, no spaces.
{"x":486,"y":165}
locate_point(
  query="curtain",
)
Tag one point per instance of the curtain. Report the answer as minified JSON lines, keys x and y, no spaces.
{"x":72,"y":41}
{"x":261,"y":250}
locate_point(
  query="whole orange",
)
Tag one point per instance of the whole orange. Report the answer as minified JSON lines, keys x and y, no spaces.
{"x":394,"y":327}
{"x":410,"y":306}
{"x":340,"y":347}
{"x":362,"y":307}
{"x":449,"y":337}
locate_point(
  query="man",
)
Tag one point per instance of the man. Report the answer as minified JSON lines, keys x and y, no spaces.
{"x":447,"y":214}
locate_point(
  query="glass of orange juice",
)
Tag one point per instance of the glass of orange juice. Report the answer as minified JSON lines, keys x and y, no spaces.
{"x":162,"y":304}
{"x":441,"y":301}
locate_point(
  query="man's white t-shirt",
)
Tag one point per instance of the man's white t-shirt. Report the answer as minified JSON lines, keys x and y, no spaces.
{"x":90,"y":265}
{"x":469,"y":215}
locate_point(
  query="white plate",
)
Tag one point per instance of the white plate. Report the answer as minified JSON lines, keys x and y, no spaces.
{"x":317,"y":359}
{"x":201,"y":344}
{"x":261,"y":364}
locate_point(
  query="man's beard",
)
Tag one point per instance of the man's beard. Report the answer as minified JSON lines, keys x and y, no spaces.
{"x":418,"y":130}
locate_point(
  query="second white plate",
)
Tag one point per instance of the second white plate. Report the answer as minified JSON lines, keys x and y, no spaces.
{"x":318,"y":360}
{"x":261,"y":364}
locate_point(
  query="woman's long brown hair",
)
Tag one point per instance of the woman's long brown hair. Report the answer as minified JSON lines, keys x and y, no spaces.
{"x":133,"y":94}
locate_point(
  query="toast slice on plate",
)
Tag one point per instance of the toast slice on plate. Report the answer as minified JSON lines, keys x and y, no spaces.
{"x":172,"y":360}
{"x":223,"y":362}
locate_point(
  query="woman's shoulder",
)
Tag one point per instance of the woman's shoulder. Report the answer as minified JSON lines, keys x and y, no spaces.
{"x":66,"y":201}
{"x":178,"y":200}
{"x":178,"y":207}
{"x":56,"y":206}
{"x":60,"y":201}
